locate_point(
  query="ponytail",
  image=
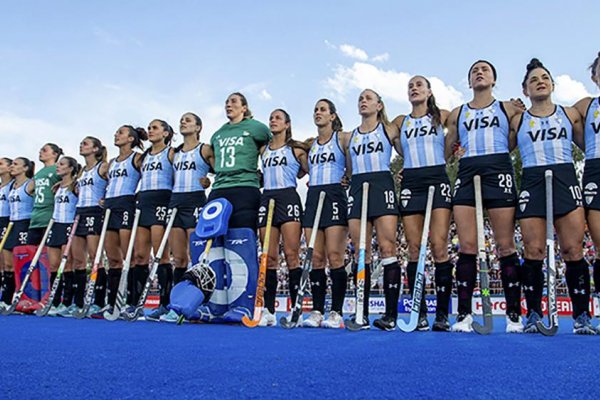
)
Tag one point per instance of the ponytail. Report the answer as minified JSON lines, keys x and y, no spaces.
{"x":30,"y":166}
{"x":169,"y":129}
{"x":57,"y":150}
{"x":594,"y":66}
{"x":138,"y":134}
{"x":101,"y":155}
{"x":336,"y":124}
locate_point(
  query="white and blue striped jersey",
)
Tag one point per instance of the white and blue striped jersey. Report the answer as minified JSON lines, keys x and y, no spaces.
{"x":280,"y":168}
{"x":370,"y":151}
{"x":65,"y":205}
{"x":592,"y":130}
{"x":91,"y":187}
{"x":21,"y":202}
{"x":326,"y":162}
{"x":123,"y":177}
{"x":545,"y":140}
{"x":483,"y":131}
{"x":189,"y":167}
{"x":157,"y":171}
{"x":4,"y":203}
{"x":422,"y":143}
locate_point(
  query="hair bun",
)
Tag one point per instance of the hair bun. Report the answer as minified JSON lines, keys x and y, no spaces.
{"x":534,"y":63}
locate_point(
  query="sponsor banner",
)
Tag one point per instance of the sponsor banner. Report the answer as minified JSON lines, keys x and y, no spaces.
{"x":563,"y":304}
{"x":152,"y":301}
{"x":376,"y":304}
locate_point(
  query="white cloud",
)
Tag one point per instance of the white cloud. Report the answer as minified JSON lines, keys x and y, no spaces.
{"x":381,"y":57}
{"x":354,"y":52}
{"x":569,"y":90}
{"x":390,"y":84}
{"x":265,"y":95}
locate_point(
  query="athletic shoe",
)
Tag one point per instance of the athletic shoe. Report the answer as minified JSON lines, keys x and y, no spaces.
{"x":530,"y":325}
{"x":300,"y":319}
{"x":441,"y":324}
{"x":69,"y":311}
{"x":94,"y":310}
{"x":583,"y":325}
{"x":170,"y":317}
{"x":314,"y":320}
{"x":334,"y":320}
{"x":423,"y":324}
{"x":385,"y":323}
{"x":267,"y":319}
{"x":54,"y":310}
{"x":463,"y":323}
{"x":365,"y":324}
{"x":514,"y":323}
{"x":155,"y":314}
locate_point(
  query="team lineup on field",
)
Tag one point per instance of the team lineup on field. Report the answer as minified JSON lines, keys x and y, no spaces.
{"x":215,"y":231}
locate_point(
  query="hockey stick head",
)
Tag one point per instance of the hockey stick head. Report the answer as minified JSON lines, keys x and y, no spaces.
{"x":484,"y":329}
{"x":547,"y":330}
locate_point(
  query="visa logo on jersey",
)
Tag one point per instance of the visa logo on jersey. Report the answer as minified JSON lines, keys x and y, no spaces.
{"x":185,"y":165}
{"x":596,"y":127}
{"x":321,"y":158}
{"x":231,"y":141}
{"x":275,"y":161}
{"x":368,"y":148}
{"x":118,"y":173}
{"x":422,"y":131}
{"x":482,"y":123}
{"x":152,"y":166}
{"x":548,"y":134}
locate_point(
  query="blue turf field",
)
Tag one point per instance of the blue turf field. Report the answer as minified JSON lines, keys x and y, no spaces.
{"x":49,"y":358}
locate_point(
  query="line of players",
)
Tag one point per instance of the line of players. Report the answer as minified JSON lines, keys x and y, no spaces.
{"x":486,"y":129}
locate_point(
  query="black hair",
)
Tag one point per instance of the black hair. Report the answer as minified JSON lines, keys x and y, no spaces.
{"x":59,"y":152}
{"x":138,"y":134}
{"x":288,"y":132}
{"x":8,"y":160}
{"x":533,"y":64}
{"x":594,"y":65}
{"x":167,"y":128}
{"x":248,"y":113}
{"x":336,"y":124}
{"x":482,"y":61}
{"x":76,"y":170}
{"x":432,"y":108}
{"x":101,"y":154}
{"x":30,"y":166}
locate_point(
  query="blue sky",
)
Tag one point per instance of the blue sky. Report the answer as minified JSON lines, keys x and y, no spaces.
{"x":70,"y":69}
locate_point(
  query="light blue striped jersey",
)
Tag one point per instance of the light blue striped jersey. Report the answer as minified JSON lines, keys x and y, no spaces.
{"x":545,"y":140}
{"x":91,"y":187}
{"x":21,"y":202}
{"x":422,"y":143}
{"x":189,"y":167}
{"x":592,"y":130}
{"x":370,"y":151}
{"x":4,"y":203}
{"x":483,"y":131}
{"x":157,"y":171}
{"x":65,"y":205}
{"x":280,"y":168}
{"x":123,"y":177}
{"x":326,"y":162}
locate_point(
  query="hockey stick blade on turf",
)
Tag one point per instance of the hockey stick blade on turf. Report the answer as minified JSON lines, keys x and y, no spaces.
{"x":306,"y":267}
{"x":484,"y":282}
{"x":552,"y":328}
{"x":63,"y":261}
{"x":259,"y":301}
{"x":417,"y":295}
{"x":121,"y":298}
{"x":357,"y":323}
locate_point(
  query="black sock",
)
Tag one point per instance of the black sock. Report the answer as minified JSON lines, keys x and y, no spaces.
{"x":79,"y":286}
{"x":367,"y":291}
{"x":339,"y":283}
{"x":67,"y":292}
{"x":141,"y":273}
{"x":165,"y":282}
{"x":9,"y":287}
{"x":466,"y":275}
{"x":178,"y":275}
{"x":131,"y":286}
{"x":318,"y":282}
{"x":578,"y":282}
{"x":411,"y":270}
{"x":391,"y":288}
{"x":1,"y":280}
{"x":294,"y":284}
{"x":509,"y":273}
{"x":597,"y":275}
{"x":532,"y":280}
{"x":443,"y":287}
{"x":114,"y":278}
{"x":100,"y":288}
{"x":270,"y":290}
